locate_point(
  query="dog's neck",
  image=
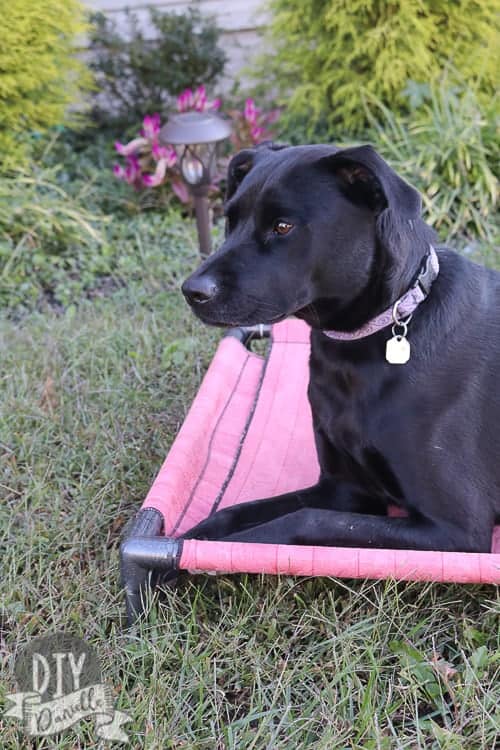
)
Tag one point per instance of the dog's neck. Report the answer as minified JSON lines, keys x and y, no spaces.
{"x":404,"y":305}
{"x":389,"y":282}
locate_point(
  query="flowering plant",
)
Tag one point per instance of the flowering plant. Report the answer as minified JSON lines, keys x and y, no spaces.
{"x":196,"y":100}
{"x":149,"y":164}
{"x":251,"y":125}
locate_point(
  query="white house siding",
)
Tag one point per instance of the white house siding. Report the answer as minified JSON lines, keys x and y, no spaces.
{"x":240,"y":21}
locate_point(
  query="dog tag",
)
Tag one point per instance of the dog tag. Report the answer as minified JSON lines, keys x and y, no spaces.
{"x":397,"y":350}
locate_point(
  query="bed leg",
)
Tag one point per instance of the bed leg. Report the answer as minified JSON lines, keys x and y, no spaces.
{"x":146,"y":559}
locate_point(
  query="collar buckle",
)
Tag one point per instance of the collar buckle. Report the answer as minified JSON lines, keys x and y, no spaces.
{"x":426,"y":276}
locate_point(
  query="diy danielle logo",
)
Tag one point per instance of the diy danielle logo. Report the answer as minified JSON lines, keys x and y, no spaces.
{"x":59,"y":681}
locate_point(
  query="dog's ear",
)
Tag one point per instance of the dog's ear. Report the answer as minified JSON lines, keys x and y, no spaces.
{"x":366,"y":179}
{"x":239,"y":166}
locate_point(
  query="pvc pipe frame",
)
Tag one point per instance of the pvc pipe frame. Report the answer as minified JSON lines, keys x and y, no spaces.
{"x":147,"y":557}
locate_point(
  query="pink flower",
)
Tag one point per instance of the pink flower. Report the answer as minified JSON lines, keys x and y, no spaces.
{"x":152,"y":180}
{"x":151,"y":126}
{"x":132,"y":147}
{"x":203,"y":103}
{"x":132,"y":170}
{"x":250,"y":112}
{"x":185,"y":100}
{"x":197,"y":100}
{"x":200,"y":99}
{"x":164,"y":152}
{"x":256,"y":132}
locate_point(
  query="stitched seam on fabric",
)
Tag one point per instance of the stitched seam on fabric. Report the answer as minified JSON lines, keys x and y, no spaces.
{"x":249,"y":465}
{"x":244,"y":434}
{"x":290,"y":438}
{"x":188,"y":502}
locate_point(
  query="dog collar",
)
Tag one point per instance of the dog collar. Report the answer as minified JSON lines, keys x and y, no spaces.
{"x":403,"y":307}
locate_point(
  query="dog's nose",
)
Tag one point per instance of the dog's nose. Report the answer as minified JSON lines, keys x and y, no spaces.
{"x":199,"y":289}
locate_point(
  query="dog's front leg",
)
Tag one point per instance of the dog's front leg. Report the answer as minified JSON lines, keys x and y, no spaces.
{"x":245,"y":517}
{"x":316,"y":526}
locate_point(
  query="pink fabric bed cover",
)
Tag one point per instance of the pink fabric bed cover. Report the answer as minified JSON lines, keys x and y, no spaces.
{"x":248,"y":435}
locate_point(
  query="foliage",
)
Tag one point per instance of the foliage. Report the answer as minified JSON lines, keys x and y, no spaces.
{"x":69,"y":229}
{"x":327,"y":55}
{"x":57,"y":247}
{"x":252,"y":125}
{"x":46,"y":238}
{"x":449,"y":147}
{"x":144,"y":153}
{"x":80,"y":162}
{"x":150,"y":164}
{"x":40,"y":74}
{"x":137,"y":74}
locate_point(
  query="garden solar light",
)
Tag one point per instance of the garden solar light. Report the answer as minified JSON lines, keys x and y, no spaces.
{"x":195,"y":136}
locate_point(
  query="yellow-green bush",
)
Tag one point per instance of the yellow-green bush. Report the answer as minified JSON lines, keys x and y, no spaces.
{"x":326,"y":55}
{"x":40,"y":75}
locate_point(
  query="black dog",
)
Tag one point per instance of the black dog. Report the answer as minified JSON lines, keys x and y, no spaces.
{"x":335,"y":237}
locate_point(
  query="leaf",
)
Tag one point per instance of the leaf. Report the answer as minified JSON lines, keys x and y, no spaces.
{"x":175,"y":352}
{"x":480,"y":658}
{"x":181,"y":190}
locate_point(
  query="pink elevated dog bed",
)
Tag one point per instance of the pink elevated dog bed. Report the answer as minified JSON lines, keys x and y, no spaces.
{"x":248,"y":435}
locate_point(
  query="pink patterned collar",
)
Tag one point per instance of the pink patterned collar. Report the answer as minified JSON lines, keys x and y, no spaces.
{"x":404,"y":306}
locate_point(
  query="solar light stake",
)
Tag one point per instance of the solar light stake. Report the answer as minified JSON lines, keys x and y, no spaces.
{"x":202,"y":213}
{"x":195,"y":136}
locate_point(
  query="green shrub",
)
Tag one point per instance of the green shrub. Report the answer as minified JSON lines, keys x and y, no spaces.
{"x":327,"y":55}
{"x":47,"y":239}
{"x":449,"y":149}
{"x":137,"y":76}
{"x":39,"y":73}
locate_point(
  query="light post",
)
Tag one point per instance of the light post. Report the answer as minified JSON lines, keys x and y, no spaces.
{"x":195,"y":136}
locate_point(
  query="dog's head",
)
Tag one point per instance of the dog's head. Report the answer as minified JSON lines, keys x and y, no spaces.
{"x":313,"y":231}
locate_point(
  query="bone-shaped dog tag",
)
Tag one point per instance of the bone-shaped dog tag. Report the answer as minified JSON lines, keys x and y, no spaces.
{"x":397,"y":350}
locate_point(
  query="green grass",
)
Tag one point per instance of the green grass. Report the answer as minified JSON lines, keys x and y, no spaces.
{"x":91,"y":399}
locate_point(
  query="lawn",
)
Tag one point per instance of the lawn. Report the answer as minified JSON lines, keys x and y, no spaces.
{"x":92,"y":396}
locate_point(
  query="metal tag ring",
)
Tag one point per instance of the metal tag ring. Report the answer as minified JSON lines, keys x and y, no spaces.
{"x":399,"y":321}
{"x":400,"y":324}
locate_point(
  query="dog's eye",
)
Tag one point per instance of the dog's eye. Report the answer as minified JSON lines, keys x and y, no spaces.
{"x":282,"y":227}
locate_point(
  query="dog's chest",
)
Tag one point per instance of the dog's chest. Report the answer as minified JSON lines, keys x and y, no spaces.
{"x":347,"y":406}
{"x":338,"y":402}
